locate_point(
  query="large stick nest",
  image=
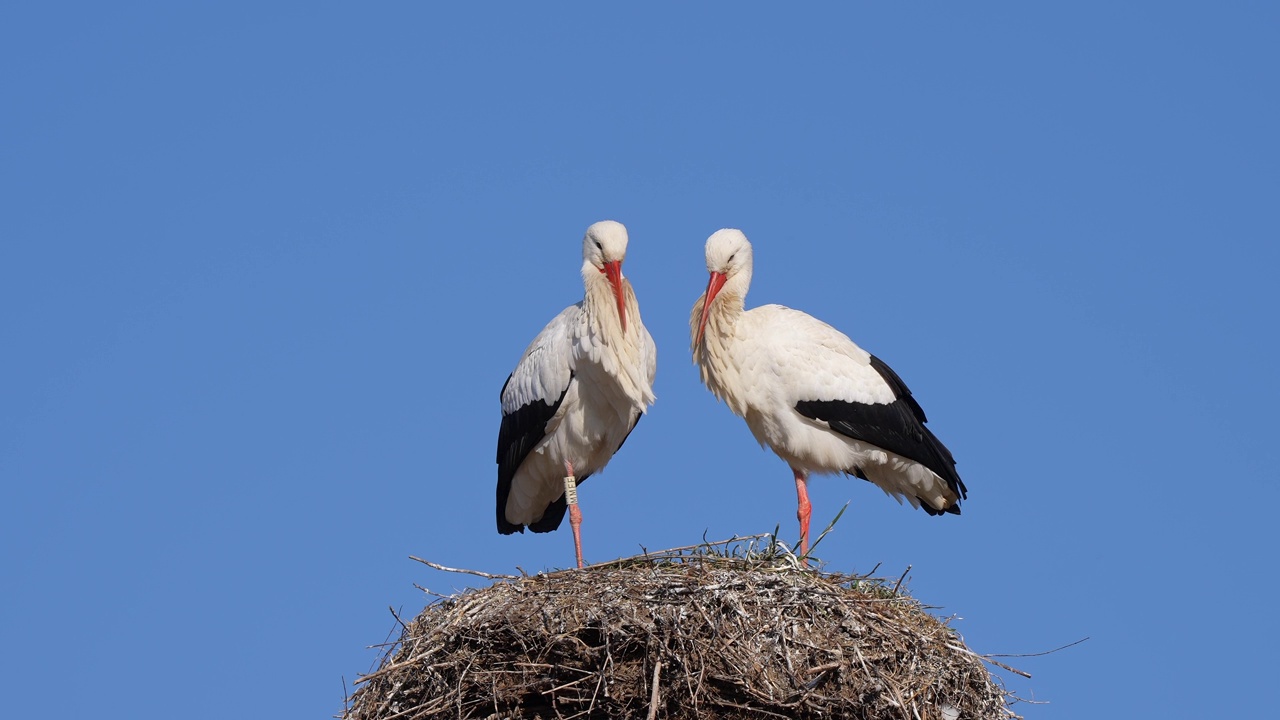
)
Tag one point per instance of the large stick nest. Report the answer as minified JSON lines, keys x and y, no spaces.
{"x":738,"y":634}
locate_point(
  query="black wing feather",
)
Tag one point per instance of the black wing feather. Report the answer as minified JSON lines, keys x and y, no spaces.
{"x":898,"y":427}
{"x":520,"y":433}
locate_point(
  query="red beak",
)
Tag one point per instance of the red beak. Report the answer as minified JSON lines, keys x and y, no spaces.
{"x":613,"y":271}
{"x":713,"y":288}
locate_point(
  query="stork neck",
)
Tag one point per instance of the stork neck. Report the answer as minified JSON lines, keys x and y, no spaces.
{"x":609,"y":346}
{"x":599,"y":303}
{"x":714,"y":354}
{"x":725,"y":311}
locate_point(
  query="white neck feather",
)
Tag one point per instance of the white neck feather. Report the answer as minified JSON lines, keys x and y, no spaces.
{"x":620,"y":353}
{"x":712,"y":355}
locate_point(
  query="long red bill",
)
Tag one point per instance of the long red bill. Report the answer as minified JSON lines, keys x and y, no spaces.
{"x":613,"y":271}
{"x":713,"y":288}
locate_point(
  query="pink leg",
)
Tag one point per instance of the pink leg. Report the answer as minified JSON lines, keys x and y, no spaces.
{"x":803,"y":511}
{"x":575,"y":521}
{"x":575,"y":515}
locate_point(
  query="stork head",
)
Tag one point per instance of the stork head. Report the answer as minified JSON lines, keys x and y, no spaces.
{"x":603,"y":249}
{"x":729,"y":262}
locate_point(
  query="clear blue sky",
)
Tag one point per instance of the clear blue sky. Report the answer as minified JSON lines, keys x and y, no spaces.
{"x":264,"y":268}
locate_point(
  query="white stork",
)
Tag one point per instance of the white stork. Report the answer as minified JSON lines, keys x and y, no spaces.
{"x":575,"y":395}
{"x":820,"y":402}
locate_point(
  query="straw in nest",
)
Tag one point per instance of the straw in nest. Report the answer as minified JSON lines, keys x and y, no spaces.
{"x":743,"y":632}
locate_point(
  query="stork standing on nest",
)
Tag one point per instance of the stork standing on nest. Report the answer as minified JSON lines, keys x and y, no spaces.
{"x":820,"y":402}
{"x":575,"y":395}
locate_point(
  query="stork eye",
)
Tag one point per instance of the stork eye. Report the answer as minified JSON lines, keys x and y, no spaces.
{"x":731,"y":257}
{"x":599,"y":247}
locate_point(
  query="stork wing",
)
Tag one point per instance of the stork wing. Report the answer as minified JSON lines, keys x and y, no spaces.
{"x":898,"y":427}
{"x":530,"y":398}
{"x":832,"y":380}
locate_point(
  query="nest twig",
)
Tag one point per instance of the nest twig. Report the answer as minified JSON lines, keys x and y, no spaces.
{"x":739,"y":631}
